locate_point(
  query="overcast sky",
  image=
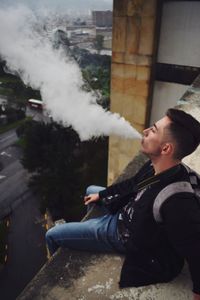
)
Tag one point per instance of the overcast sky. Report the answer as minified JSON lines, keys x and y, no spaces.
{"x":62,"y":4}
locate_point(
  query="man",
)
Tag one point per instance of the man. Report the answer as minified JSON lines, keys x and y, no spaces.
{"x":153,"y":217}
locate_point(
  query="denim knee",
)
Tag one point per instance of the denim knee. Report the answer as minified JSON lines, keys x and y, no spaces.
{"x":48,"y":236}
{"x":93,"y":189}
{"x":90,"y":190}
{"x":50,"y":241}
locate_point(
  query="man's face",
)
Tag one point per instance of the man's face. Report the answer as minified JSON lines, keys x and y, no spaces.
{"x":154,"y":138}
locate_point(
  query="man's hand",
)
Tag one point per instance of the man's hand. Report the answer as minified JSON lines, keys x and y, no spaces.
{"x":91,"y":198}
{"x":196,"y":297}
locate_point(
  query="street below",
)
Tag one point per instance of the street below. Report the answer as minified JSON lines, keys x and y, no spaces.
{"x":26,"y":243}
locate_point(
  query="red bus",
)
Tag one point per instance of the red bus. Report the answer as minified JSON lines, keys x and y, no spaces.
{"x":35,"y":104}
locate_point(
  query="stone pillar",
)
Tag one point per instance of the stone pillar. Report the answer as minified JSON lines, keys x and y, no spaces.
{"x":133,"y":40}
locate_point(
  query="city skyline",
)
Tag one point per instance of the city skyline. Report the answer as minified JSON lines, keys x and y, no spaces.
{"x":60,"y":5}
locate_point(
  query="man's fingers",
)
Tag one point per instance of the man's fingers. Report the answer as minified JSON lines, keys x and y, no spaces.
{"x":86,"y":198}
{"x":88,"y":201}
{"x":91,"y":198}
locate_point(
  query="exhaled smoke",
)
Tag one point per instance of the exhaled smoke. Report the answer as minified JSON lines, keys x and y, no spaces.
{"x":29,"y":54}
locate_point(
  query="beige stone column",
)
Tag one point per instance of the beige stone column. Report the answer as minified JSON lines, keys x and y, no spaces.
{"x":133,"y":40}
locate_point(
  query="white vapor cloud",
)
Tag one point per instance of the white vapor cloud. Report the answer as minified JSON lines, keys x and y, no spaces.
{"x":32,"y":57}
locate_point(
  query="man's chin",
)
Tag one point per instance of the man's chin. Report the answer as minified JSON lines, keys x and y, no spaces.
{"x":142,"y":150}
{"x":145,"y":153}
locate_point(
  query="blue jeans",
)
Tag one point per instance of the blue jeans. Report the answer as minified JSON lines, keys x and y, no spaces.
{"x":97,"y":234}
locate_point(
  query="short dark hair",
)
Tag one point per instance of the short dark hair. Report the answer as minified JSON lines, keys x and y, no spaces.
{"x":185,"y":130}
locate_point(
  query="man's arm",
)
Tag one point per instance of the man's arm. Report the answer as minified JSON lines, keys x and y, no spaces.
{"x":124,"y":187}
{"x":117,"y":195}
{"x":118,"y":188}
{"x":181,"y":215}
{"x":127,"y":186}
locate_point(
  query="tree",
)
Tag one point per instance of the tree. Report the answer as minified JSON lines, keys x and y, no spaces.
{"x":60,"y":39}
{"x":50,"y":154}
{"x":98,"y":78}
{"x":61,"y":166}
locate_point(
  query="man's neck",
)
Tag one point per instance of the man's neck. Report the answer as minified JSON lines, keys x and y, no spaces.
{"x":163,"y":165}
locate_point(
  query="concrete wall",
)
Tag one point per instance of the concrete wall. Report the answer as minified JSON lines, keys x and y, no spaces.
{"x":165,"y":95}
{"x":179,"y":44}
{"x":179,"y":37}
{"x":133,"y":42}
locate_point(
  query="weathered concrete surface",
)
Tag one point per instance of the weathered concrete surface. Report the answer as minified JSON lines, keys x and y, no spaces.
{"x":84,"y":276}
{"x":133,"y":52}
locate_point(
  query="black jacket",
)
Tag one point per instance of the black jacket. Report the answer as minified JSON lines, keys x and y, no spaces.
{"x":155,"y":251}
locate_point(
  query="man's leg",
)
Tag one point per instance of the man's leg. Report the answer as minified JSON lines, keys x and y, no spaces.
{"x":99,"y":234}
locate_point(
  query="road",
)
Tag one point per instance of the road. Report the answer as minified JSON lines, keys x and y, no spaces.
{"x":26,"y":245}
{"x":7,"y":139}
{"x":13,"y":178}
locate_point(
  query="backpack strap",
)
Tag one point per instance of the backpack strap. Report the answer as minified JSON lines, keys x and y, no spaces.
{"x":194,"y":180}
{"x":167,"y":192}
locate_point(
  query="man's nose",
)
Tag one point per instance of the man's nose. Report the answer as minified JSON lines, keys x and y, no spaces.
{"x":145,"y":131}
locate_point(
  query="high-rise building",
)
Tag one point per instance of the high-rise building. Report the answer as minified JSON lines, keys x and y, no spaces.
{"x":102,"y":18}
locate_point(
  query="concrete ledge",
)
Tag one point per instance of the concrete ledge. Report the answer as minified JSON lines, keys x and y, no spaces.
{"x":86,"y":276}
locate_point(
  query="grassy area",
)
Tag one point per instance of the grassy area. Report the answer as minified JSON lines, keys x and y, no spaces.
{"x":8,"y":79}
{"x":7,"y":127}
{"x":6,"y":91}
{"x":20,"y":142}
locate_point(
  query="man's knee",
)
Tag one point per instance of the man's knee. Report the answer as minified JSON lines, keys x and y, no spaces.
{"x":48,"y":235}
{"x":94,"y":189}
{"x":90,"y":190}
{"x":51,"y":242}
{"x":51,"y":234}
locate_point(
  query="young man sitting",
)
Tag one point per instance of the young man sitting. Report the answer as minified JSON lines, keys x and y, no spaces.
{"x":153,"y":217}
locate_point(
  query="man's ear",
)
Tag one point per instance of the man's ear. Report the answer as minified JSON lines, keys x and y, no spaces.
{"x":167,"y":149}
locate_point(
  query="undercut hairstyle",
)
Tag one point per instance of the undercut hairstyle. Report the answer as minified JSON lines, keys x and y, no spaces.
{"x":185,"y":130}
